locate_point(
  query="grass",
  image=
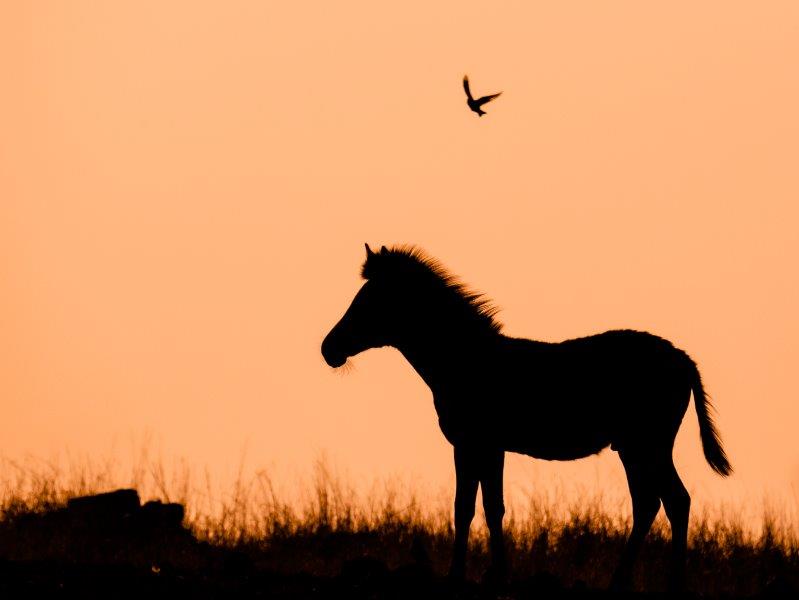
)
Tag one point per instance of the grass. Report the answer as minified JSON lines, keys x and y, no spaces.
{"x":330,"y":526}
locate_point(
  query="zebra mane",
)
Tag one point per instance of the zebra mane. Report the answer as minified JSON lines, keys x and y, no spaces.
{"x":412,"y":267}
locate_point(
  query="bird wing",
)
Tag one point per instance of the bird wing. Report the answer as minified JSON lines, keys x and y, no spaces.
{"x":484,"y":99}
{"x":466,"y":87}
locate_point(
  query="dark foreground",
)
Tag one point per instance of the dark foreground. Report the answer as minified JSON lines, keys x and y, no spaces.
{"x":367,"y":579}
{"x":364,"y":579}
{"x":112,"y":546}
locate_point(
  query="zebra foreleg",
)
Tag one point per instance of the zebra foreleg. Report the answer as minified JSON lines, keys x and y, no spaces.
{"x":467,"y":479}
{"x":491,"y":472}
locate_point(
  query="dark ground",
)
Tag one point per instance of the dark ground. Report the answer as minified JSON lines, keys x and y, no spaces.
{"x":111,"y":546}
{"x":365,"y":580}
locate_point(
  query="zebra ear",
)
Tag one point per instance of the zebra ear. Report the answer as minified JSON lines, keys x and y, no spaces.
{"x":383,"y":250}
{"x":368,"y":251}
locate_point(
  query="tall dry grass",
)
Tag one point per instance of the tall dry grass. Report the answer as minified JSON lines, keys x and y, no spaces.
{"x":329,"y":523}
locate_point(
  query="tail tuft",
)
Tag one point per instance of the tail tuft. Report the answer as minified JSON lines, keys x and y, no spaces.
{"x":711,"y":440}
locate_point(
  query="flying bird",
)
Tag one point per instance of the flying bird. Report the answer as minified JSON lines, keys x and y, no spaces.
{"x":476,"y":105}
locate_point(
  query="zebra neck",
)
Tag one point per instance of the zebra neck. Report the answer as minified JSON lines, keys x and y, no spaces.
{"x":440,"y":361}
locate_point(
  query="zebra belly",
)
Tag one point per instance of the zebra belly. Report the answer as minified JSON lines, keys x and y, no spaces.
{"x":550,"y":436}
{"x":555,"y":439}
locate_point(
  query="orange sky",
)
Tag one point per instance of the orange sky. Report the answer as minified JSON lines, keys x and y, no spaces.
{"x":186,"y":187}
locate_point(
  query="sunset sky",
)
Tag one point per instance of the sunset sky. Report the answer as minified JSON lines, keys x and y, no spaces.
{"x":186,"y":188}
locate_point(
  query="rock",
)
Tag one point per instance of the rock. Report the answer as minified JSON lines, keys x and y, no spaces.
{"x":156,"y":515}
{"x":114,"y":505}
